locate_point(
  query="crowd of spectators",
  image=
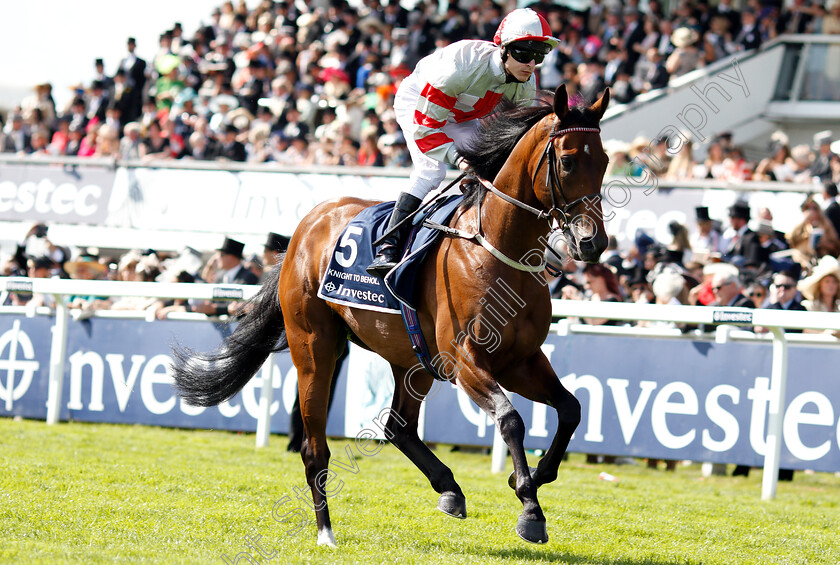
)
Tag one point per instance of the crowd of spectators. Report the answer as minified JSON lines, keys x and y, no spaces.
{"x":297,"y":83}
{"x":716,"y":263}
{"x":38,"y":256}
{"x":672,"y":159}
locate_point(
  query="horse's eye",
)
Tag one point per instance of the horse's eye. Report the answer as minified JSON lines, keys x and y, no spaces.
{"x":567,"y":164}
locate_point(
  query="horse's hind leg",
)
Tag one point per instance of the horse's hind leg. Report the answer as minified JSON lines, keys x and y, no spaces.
{"x":402,"y":431}
{"x":315,"y":343}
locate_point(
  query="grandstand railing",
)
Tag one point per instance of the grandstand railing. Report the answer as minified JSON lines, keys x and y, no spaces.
{"x":776,"y":321}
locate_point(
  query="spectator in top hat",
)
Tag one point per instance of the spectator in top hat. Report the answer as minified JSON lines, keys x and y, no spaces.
{"x":231,"y":148}
{"x":275,"y":247}
{"x":135,"y":70}
{"x":740,"y":243}
{"x":706,"y":240}
{"x":227,"y":262}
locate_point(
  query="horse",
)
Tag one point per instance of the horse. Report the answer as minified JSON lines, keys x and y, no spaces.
{"x":544,"y":160}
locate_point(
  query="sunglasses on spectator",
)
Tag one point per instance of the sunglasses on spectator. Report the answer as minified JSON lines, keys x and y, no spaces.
{"x":785,"y":286}
{"x":720,"y":286}
{"x":756,"y":295}
{"x":526,"y":55}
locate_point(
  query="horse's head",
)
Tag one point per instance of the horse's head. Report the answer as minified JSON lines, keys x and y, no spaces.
{"x":568,"y":176}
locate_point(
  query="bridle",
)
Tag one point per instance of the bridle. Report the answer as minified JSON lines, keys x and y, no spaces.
{"x":552,"y":181}
{"x":560,"y":213}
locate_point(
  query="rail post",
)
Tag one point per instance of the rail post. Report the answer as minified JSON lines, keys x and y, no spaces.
{"x":778,"y":384}
{"x":58,"y":354}
{"x":266,"y":398}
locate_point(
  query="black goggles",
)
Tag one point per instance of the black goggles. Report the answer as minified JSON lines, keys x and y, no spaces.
{"x":526,"y":55}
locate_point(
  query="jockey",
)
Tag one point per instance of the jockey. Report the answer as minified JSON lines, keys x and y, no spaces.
{"x":439,"y":104}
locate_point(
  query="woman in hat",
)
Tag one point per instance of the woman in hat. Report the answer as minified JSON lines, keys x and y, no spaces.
{"x":814,"y":236}
{"x":686,"y":56}
{"x":477,"y":75}
{"x":87,"y":267}
{"x":822,"y":288}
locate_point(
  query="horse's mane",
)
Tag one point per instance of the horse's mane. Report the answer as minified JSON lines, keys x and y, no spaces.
{"x":499,"y":132}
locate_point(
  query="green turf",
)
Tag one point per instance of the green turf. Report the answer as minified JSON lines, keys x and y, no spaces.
{"x":83,"y":493}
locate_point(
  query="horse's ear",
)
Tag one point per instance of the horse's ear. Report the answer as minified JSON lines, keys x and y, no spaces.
{"x":602,"y":104}
{"x":561,"y":102}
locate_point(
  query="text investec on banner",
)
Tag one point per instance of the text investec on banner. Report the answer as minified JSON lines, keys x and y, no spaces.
{"x":640,"y":396}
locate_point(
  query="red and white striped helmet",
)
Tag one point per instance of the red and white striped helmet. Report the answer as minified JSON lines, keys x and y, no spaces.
{"x":524,"y":24}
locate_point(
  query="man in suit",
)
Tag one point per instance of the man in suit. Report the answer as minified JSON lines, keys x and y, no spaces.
{"x":832,"y":208}
{"x":231,"y":148}
{"x":229,"y":270}
{"x":740,"y":244}
{"x":135,"y":71}
{"x":821,"y":167}
{"x":727,"y":289}
{"x":17,"y":140}
{"x":783,"y":294}
{"x":750,"y":35}
{"x":633,"y":34}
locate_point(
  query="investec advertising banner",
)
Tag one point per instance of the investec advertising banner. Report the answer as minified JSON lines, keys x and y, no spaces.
{"x":55,"y":194}
{"x":640,"y":396}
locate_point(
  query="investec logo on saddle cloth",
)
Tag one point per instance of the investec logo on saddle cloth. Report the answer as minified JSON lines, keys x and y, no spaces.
{"x":346,"y":280}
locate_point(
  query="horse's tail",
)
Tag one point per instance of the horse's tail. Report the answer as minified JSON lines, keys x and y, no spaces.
{"x":207,"y":379}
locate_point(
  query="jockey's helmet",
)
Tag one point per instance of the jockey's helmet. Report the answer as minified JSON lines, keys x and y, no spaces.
{"x":525,"y":25}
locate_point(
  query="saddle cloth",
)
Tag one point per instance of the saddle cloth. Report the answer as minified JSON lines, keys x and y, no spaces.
{"x":347,"y":282}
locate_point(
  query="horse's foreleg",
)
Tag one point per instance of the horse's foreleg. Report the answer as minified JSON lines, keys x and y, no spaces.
{"x":537,"y":381}
{"x":409,"y":390}
{"x":489,"y":396}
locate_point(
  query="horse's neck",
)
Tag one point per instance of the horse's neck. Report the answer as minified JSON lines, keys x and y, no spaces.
{"x":513,"y":230}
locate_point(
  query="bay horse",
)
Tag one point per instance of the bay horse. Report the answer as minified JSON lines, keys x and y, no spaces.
{"x":545,"y":161}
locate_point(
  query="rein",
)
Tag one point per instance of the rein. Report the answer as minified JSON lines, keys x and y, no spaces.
{"x":549,"y":156}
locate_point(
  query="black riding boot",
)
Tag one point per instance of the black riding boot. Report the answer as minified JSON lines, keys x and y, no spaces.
{"x":390,"y":249}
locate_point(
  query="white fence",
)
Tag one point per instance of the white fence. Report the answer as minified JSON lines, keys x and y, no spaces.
{"x":774,"y":320}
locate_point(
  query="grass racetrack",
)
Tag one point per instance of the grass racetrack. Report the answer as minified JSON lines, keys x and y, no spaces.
{"x":95,"y":493}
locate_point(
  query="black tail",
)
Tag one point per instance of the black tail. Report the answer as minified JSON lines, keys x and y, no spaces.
{"x":207,"y":379}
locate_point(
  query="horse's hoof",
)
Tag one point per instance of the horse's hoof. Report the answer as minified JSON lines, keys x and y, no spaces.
{"x":531,"y":530}
{"x":326,"y":538}
{"x":512,"y":477}
{"x":453,"y":504}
